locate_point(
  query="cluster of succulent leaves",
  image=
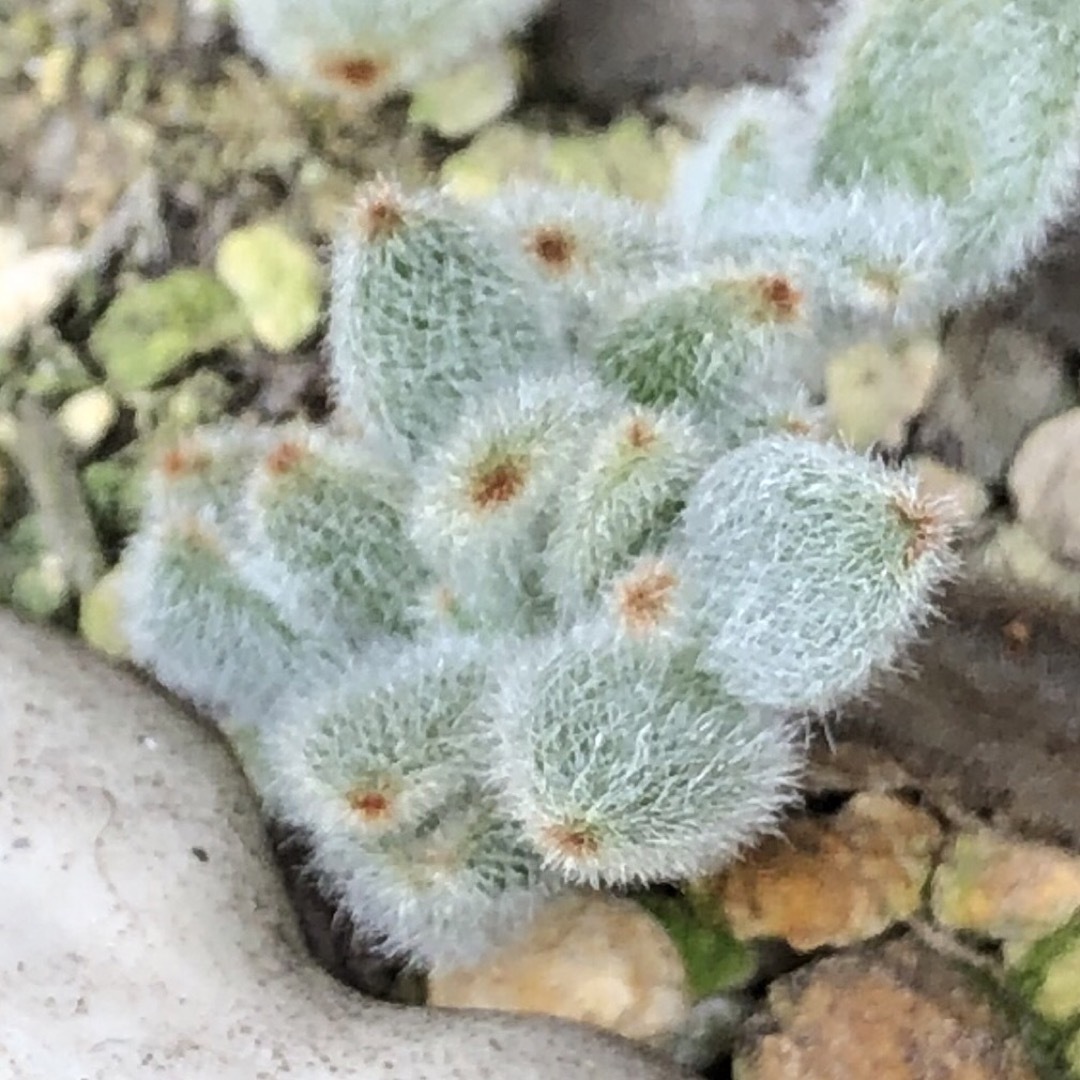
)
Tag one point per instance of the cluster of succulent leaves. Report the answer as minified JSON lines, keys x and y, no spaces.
{"x":547,"y":600}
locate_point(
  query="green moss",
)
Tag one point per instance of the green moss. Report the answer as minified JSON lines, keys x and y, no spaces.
{"x":715,"y":959}
{"x":153,"y":328}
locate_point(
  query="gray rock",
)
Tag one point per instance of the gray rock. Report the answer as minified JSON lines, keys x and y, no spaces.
{"x":998,"y":381}
{"x":608,"y":52}
{"x":143,"y":927}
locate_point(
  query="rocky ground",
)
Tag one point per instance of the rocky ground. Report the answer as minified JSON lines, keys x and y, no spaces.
{"x":164,"y":211}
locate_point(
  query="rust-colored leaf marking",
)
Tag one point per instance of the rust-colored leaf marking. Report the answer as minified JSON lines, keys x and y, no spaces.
{"x":926,"y":527}
{"x":349,"y":71}
{"x":572,"y":841}
{"x":370,"y":805}
{"x":640,"y":434}
{"x":643,"y":598}
{"x":554,"y":246}
{"x":285,"y":457}
{"x":782,"y":299}
{"x":183,"y":460}
{"x":380,"y":214}
{"x":796,"y":425}
{"x":498,"y":483}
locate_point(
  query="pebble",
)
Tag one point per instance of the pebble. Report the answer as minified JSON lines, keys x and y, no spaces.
{"x":872,"y":392}
{"x":469,"y":98}
{"x":42,"y":589}
{"x":100,"y":617}
{"x":1013,"y":557}
{"x":896,"y":1013}
{"x":87,"y":417}
{"x":32,"y":283}
{"x":277,"y":281}
{"x":997,"y":381}
{"x":1010,"y":890}
{"x":834,"y":880}
{"x":589,"y":957}
{"x":52,"y":73}
{"x":1045,"y":485}
{"x":153,"y":328}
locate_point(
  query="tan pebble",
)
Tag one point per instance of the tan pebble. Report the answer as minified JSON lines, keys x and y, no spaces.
{"x":1012,"y":890}
{"x":587,"y":957}
{"x":52,"y":73}
{"x":898,"y":1013}
{"x":832,"y":881}
{"x":87,"y":417}
{"x":1013,"y":557}
{"x":873,"y":391}
{"x":1045,"y":484}
{"x":31,"y":286}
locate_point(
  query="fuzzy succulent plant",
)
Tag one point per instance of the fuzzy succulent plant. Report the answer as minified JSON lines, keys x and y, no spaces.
{"x":371,"y":48}
{"x":549,"y":599}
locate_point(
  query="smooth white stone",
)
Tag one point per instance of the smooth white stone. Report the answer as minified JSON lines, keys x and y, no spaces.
{"x":124,"y":953}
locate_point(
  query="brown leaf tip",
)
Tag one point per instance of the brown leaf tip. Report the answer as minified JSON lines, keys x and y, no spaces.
{"x":555,"y":247}
{"x":796,"y":425}
{"x":379,"y":213}
{"x":572,"y":841}
{"x":782,"y":300}
{"x":640,"y":434}
{"x":644,"y":598}
{"x":183,"y":460}
{"x":929,"y":529}
{"x":498,"y":482}
{"x":371,"y":806}
{"x":349,"y":71}
{"x":285,"y":457}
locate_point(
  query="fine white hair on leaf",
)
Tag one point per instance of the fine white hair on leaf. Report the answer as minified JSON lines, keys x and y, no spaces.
{"x":587,"y":242}
{"x":326,"y":541}
{"x":872,"y":257}
{"x":758,"y":140}
{"x":973,"y":104}
{"x":207,"y":636}
{"x":381,"y":746}
{"x":460,"y":882}
{"x":625,"y":498}
{"x":628,"y":764}
{"x":816,"y":565}
{"x":202,"y":474}
{"x":428,"y":303}
{"x":485,"y":497}
{"x":723,"y":339}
